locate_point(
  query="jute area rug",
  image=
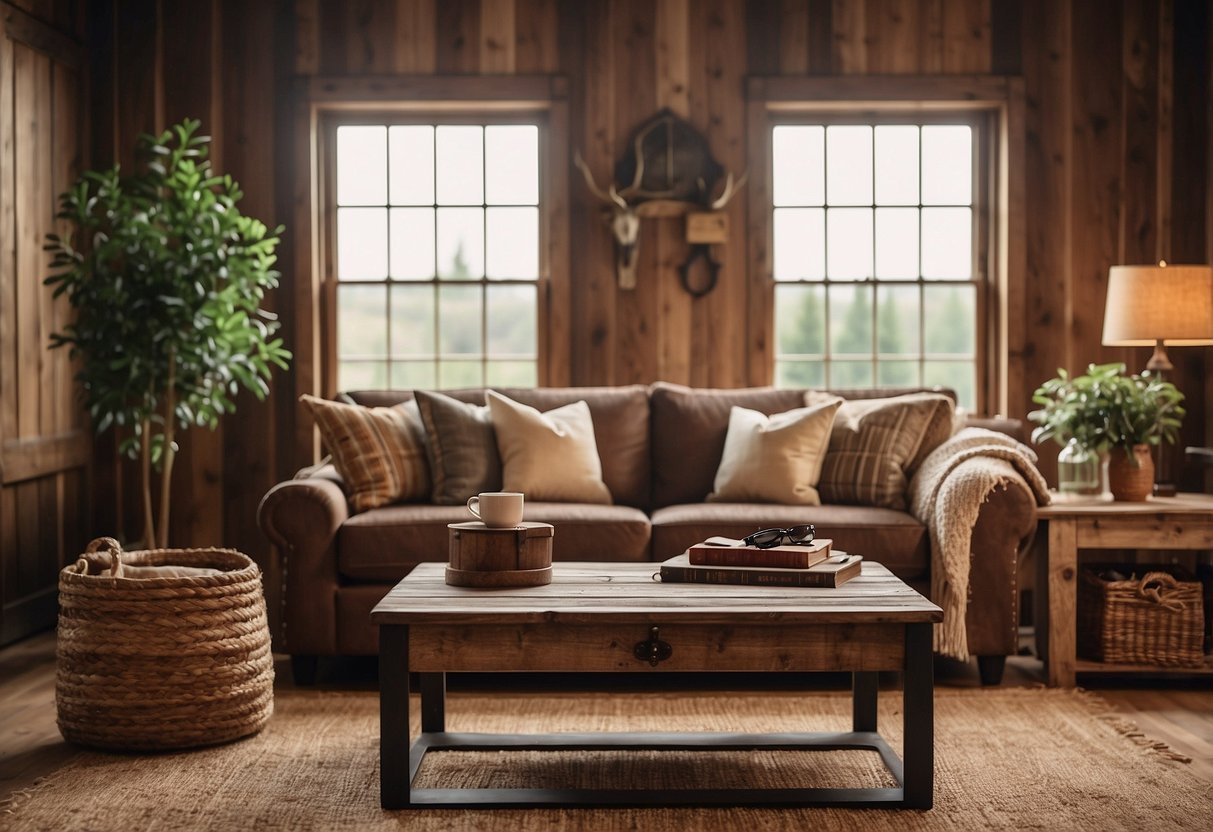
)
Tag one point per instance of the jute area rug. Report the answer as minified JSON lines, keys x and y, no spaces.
{"x":1005,"y":758}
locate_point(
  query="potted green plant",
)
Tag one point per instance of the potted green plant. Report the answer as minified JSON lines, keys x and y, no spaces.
{"x":1106,"y":410}
{"x":166,"y":278}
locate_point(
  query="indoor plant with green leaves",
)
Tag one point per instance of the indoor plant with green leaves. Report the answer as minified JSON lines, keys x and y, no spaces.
{"x":166,"y":279}
{"x":1106,"y":410}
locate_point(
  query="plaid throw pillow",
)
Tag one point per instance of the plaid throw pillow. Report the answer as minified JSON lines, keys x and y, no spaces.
{"x":378,"y":451}
{"x":877,"y":444}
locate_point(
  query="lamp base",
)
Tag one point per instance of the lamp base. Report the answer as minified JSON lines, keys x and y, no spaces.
{"x":1165,"y":489}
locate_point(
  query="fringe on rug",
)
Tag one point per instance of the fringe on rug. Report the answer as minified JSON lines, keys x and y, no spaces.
{"x":1127,"y":727}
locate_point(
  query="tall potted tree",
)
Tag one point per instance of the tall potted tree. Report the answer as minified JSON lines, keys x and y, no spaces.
{"x":166,"y":278}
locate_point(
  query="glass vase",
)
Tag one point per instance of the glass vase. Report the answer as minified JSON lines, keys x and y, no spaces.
{"x":1079,"y":471}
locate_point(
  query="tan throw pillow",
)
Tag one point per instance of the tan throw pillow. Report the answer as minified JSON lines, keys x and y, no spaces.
{"x":379,"y":451}
{"x":774,"y":459}
{"x":462,"y":448}
{"x":877,"y":444}
{"x":548,"y":456}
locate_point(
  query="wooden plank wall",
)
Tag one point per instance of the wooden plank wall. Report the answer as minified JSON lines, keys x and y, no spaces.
{"x":44,"y":437}
{"x":1116,"y":161}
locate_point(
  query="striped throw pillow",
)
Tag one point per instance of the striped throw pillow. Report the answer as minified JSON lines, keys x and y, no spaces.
{"x":877,"y":444}
{"x":378,"y":451}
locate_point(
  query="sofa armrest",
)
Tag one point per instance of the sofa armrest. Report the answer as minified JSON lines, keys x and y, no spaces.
{"x":301,"y":517}
{"x":1011,"y":427}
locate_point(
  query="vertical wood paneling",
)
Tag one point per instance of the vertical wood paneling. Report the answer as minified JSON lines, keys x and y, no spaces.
{"x":139,"y":76}
{"x":371,"y":28}
{"x":307,"y":34}
{"x":8,"y":245}
{"x":635,"y":99}
{"x":498,"y":39}
{"x":891,"y":39}
{"x":68,"y":415}
{"x":413,"y":44}
{"x":793,"y":37}
{"x":458,"y":39}
{"x":536,"y":28}
{"x":849,"y":25}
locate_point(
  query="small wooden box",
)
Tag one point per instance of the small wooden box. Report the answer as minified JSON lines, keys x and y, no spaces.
{"x":485,"y":557}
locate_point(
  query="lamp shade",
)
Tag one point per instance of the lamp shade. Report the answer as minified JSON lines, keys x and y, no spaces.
{"x":1148,"y":304}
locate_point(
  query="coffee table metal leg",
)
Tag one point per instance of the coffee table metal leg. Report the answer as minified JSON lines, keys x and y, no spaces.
{"x":393,"y":716}
{"x":433,"y":702}
{"x":918,"y":754}
{"x":864,"y":687}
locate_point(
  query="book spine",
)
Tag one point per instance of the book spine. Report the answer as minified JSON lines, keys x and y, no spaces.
{"x":680,"y":574}
{"x":716,"y":556}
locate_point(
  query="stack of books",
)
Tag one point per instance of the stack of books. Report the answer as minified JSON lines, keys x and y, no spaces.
{"x":723,"y":560}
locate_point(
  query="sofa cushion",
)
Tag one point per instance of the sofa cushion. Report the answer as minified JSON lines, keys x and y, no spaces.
{"x":548,"y":456}
{"x":384,"y":544}
{"x":774,"y":459}
{"x":462,"y":447}
{"x":379,"y":451}
{"x":893,"y":538}
{"x":621,"y":427}
{"x":689,"y":429}
{"x":877,"y":444}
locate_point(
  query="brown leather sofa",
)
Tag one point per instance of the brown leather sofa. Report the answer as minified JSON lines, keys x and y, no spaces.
{"x":660,"y":446}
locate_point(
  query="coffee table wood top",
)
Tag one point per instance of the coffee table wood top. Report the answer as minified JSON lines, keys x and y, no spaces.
{"x":589,"y":593}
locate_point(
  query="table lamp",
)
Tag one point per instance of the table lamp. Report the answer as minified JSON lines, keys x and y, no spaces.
{"x":1159,"y":306}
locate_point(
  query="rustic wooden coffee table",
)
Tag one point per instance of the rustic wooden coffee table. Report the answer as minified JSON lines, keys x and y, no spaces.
{"x":616,"y":618}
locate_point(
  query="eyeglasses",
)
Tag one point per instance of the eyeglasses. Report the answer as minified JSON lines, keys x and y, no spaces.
{"x":768,"y":538}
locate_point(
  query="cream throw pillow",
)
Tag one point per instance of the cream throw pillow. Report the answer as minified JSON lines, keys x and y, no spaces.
{"x":378,"y":451}
{"x":548,"y":456}
{"x":774,"y":459}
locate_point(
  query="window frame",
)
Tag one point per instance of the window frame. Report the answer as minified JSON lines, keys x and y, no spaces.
{"x":994,"y":101}
{"x":320,"y":102}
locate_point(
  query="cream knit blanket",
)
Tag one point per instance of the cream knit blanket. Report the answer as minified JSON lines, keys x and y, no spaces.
{"x":946,"y":495}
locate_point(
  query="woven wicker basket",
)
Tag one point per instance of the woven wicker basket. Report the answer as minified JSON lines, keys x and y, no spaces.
{"x":1155,"y":619}
{"x":153,"y":663}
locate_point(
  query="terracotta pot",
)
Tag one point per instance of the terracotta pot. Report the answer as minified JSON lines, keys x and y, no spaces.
{"x":1131,"y":483}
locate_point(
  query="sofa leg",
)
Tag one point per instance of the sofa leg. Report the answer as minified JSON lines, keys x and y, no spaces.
{"x":990,"y":668}
{"x":303,"y":669}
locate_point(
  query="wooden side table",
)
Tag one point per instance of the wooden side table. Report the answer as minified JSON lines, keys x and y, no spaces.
{"x":1184,"y":521}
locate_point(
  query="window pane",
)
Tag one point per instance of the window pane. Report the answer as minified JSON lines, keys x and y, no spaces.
{"x":460,"y":165}
{"x":849,"y":165}
{"x":799,"y":236}
{"x":361,"y":321}
{"x":960,"y":376}
{"x":851,"y":374}
{"x":949,"y":316}
{"x":512,"y":247}
{"x":412,"y":325}
{"x":896,"y":242}
{"x":412,"y":243}
{"x":897,"y":320}
{"x":361,"y":243}
{"x":947,"y":243}
{"x":947,"y":165}
{"x":897,"y":165}
{"x":800,"y":320}
{"x":461,"y":243}
{"x":850,"y":320}
{"x":361,"y":165}
{"x":414,"y":375}
{"x":511,"y":321}
{"x":361,"y":375}
{"x":512,"y":374}
{"x":459,"y":321}
{"x":849,"y":243}
{"x":897,"y":374}
{"x":511,"y":164}
{"x":452,"y":374}
{"x":798,"y":165}
{"x":800,"y":374}
{"x":412,"y":164}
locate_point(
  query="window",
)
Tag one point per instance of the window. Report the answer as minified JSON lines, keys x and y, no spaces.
{"x":877,"y":246}
{"x":437,"y":230}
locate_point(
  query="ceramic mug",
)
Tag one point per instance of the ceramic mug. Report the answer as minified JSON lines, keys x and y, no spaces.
{"x":497,"y":509}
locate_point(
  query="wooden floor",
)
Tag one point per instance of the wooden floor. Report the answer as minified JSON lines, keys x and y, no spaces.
{"x":1177,"y":712}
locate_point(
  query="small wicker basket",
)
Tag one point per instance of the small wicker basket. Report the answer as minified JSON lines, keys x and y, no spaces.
{"x":155,"y":663}
{"x":1156,"y":619}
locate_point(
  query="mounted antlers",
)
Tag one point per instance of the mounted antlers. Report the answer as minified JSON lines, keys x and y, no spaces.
{"x":625,"y":226}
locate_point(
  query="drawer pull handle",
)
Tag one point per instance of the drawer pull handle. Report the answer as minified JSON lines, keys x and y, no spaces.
{"x":654,"y":650}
